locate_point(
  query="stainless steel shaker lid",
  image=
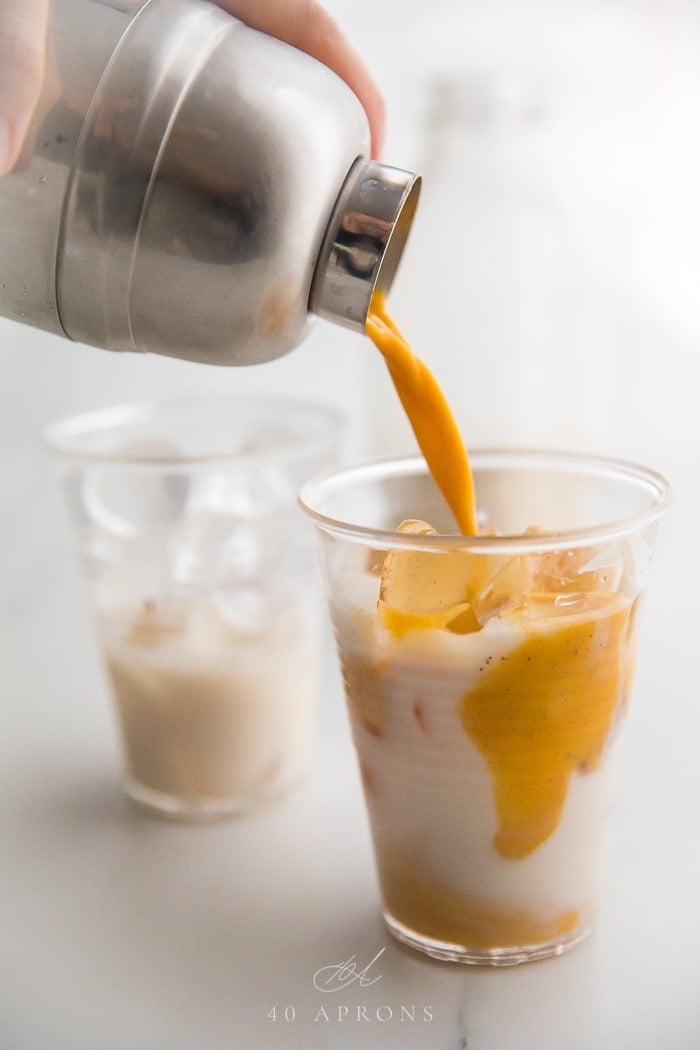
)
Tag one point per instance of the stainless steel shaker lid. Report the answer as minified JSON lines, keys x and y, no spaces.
{"x":364,"y":241}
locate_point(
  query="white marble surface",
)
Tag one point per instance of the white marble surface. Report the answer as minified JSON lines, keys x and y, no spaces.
{"x":122,"y":931}
{"x":118,"y":931}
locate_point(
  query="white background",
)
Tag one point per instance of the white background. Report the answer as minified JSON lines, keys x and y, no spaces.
{"x":567,"y":247}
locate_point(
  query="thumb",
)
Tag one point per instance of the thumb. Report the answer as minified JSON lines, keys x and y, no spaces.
{"x":22,"y":55}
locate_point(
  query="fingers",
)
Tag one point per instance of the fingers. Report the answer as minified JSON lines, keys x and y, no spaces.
{"x":22,"y":46}
{"x":306,"y":25}
{"x":301,"y":23}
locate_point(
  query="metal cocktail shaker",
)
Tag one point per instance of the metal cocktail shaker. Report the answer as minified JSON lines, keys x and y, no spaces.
{"x":194,"y":188}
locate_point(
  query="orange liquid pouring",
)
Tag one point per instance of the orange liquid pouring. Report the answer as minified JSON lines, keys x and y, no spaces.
{"x":429,"y":414}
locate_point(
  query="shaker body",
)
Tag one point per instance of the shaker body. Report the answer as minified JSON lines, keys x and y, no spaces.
{"x":183,"y":176}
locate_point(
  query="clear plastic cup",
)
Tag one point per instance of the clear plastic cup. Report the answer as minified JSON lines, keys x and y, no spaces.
{"x":201,"y":573}
{"x":488,"y":681}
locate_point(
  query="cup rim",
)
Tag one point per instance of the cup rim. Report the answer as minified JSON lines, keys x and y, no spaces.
{"x":658,"y":487}
{"x":65,"y":437}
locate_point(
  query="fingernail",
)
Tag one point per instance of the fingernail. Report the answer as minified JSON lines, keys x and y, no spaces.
{"x":4,"y":144}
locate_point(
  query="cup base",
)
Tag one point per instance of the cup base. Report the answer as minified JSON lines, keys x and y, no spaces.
{"x":205,"y":810}
{"x":458,"y":953}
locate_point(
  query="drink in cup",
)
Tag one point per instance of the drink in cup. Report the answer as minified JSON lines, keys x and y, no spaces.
{"x":488,"y":679}
{"x":204,"y":590}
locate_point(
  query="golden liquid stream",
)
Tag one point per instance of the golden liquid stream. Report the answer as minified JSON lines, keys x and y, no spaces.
{"x":428,"y":413}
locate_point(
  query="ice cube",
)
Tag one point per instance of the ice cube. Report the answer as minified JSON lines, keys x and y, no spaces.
{"x":126,"y":501}
{"x":213,"y":550}
{"x":239,"y":527}
{"x":420,"y":581}
{"x":247,"y":610}
{"x":575,"y":571}
{"x":505,"y":581}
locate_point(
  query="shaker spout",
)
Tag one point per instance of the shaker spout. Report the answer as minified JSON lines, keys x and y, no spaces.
{"x":364,"y":241}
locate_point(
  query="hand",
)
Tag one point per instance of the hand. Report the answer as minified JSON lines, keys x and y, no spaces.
{"x":302,"y":23}
{"x":22,"y":56}
{"x":307,"y":26}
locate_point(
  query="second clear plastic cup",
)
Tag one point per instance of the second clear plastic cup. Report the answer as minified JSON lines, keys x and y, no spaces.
{"x":488,"y":680}
{"x":202,"y":577}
